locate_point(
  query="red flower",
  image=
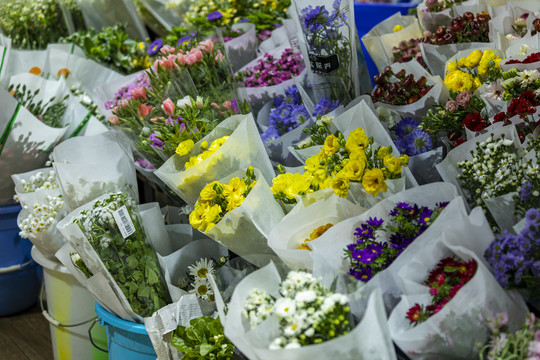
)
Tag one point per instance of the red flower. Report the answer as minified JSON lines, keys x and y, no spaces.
{"x":528,"y":60}
{"x":474,"y":122}
{"x":414,"y":313}
{"x":500,"y":117}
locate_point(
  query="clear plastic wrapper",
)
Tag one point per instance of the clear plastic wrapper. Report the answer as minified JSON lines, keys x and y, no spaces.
{"x":242,"y":49}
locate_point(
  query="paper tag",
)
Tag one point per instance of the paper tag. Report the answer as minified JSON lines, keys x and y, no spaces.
{"x":324,"y":64}
{"x":123,"y":220}
{"x":188,"y":309}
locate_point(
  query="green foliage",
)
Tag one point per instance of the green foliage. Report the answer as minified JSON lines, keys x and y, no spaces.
{"x":203,"y":339}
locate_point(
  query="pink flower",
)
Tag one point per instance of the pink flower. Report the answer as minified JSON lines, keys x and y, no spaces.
{"x":166,"y":63}
{"x":167,"y":50}
{"x":114,"y":120}
{"x":123,"y":103}
{"x":181,"y":58}
{"x":452,"y":106}
{"x":154,"y":120}
{"x":433,"y":291}
{"x":139,"y":93}
{"x":190,"y":60}
{"x":219,"y":56}
{"x":114,"y":109}
{"x":168,"y":106}
{"x":207,"y":46}
{"x":214,"y":105}
{"x":464,"y":98}
{"x":198,"y":54}
{"x":182,"y":128}
{"x":144,"y":110}
{"x":227,"y":105}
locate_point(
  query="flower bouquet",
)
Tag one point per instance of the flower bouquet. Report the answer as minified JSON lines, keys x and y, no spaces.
{"x":242,"y":49}
{"x":43,"y":206}
{"x":468,"y":70}
{"x":433,"y":13}
{"x":408,"y":89}
{"x":84,"y":176}
{"x":195,"y":165}
{"x":268,"y":318}
{"x":444,"y":314}
{"x":290,"y":239}
{"x":268,"y":76}
{"x":109,"y":236}
{"x":522,"y":113}
{"x":228,"y":211}
{"x":513,"y":25}
{"x":470,"y":167}
{"x":329,"y":42}
{"x":360,"y":247}
{"x":381,"y":40}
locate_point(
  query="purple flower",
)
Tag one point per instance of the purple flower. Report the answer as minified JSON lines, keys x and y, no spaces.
{"x":452,"y":106}
{"x":156,"y":142}
{"x":214,"y":16}
{"x":364,"y":232}
{"x":418,"y":142}
{"x":182,"y":128}
{"x":525,"y":192}
{"x":325,"y":106}
{"x":374,"y":222}
{"x":145,"y":164}
{"x":185,"y":39}
{"x":155,"y":47}
{"x":234,"y":106}
{"x":243,"y":20}
{"x":405,"y":127}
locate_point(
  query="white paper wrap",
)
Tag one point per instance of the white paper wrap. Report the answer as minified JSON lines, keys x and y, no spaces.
{"x":245,"y":229}
{"x":454,"y":331}
{"x":242,"y":49}
{"x":90,"y":166}
{"x":381,"y":39}
{"x":280,"y":36}
{"x":243,"y":148}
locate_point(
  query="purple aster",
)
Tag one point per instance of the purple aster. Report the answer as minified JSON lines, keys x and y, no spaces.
{"x":184,"y":40}
{"x":374,"y":222}
{"x":418,"y":142}
{"x":425,"y":215}
{"x":243,"y":20}
{"x":155,"y":47}
{"x":214,"y":16}
{"x":364,"y":232}
{"x":405,"y":127}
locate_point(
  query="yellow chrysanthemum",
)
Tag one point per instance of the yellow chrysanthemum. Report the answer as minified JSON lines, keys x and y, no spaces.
{"x":373,"y":182}
{"x":459,"y":81}
{"x":452,"y":66}
{"x":473,"y":59}
{"x":185,"y":147}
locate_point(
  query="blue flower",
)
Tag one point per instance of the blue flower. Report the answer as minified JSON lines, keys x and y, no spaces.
{"x":324,"y":106}
{"x":184,"y":40}
{"x":293,"y":95}
{"x":155,"y":47}
{"x":405,"y":127}
{"x":375,"y":222}
{"x":214,"y":16}
{"x":364,"y":232}
{"x":418,"y":142}
{"x":243,"y":20}
{"x":313,"y":18}
{"x":270,"y":134}
{"x":401,"y":145}
{"x":525,"y":193}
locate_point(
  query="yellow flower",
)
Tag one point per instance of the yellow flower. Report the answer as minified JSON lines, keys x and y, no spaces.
{"x":331,"y":145}
{"x":397,"y":28}
{"x":141,"y":45}
{"x":477,"y":83}
{"x":234,"y":201}
{"x":473,"y":59}
{"x":459,"y":81}
{"x":358,"y":155}
{"x":185,"y":147}
{"x":357,"y":140}
{"x":304,"y":246}
{"x":299,"y":185}
{"x":314,"y":235}
{"x":404,"y":159}
{"x":373,"y":182}
{"x":212,"y":216}
{"x":196,"y":218}
{"x":452,"y":66}
{"x":487,"y":56}
{"x":204,"y":145}
{"x":354,"y":170}
{"x":461,"y":62}
{"x":194,"y":160}
{"x":383,"y":151}
{"x":235,"y":187}
{"x":208,"y":193}
{"x":280,"y":184}
{"x":340,"y":184}
{"x":392,"y":164}
{"x":216,"y":144}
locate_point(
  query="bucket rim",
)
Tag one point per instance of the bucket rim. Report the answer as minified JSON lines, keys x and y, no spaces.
{"x":113,"y":320}
{"x":10,"y":209}
{"x":48,"y":263}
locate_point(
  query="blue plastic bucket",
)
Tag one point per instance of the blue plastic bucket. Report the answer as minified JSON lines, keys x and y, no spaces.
{"x":367,"y":15}
{"x":19,"y":287}
{"x":126,"y":339}
{"x":13,"y":249}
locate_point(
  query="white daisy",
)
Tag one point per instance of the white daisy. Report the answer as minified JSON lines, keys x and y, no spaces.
{"x":201,"y":288}
{"x":201,"y":268}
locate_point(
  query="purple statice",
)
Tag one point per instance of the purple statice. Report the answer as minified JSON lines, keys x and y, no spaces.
{"x":286,"y":115}
{"x":155,"y":47}
{"x":369,"y":254}
{"x":405,"y":127}
{"x":515,"y":259}
{"x":418,"y":142}
{"x":325,"y":106}
{"x":273,"y":71}
{"x":125,"y":93}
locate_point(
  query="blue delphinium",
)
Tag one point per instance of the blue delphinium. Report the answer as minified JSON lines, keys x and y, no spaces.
{"x":325,"y":106}
{"x":515,"y":259}
{"x":286,"y":115}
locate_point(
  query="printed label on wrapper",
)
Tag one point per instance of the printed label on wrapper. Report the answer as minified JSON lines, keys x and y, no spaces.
{"x":123,"y":220}
{"x":324,"y":64}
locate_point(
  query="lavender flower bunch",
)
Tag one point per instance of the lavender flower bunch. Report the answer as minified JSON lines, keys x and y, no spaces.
{"x":411,"y":140}
{"x":515,"y":259}
{"x":328,"y":34}
{"x":286,"y":115}
{"x":369,"y":255}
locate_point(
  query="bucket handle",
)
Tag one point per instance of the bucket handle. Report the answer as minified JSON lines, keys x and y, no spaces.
{"x":51,"y":319}
{"x":15,"y":267}
{"x":92,"y":339}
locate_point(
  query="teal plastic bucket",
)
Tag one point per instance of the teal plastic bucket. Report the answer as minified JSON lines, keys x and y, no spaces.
{"x":126,"y":339}
{"x":13,"y":249}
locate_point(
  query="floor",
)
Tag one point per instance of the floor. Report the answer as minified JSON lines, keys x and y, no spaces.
{"x":25,"y":336}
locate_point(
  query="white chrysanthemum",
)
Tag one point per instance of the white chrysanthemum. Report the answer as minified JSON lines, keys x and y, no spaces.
{"x":528,"y":76}
{"x":201,"y":268}
{"x":305,"y":296}
{"x":285,"y":307}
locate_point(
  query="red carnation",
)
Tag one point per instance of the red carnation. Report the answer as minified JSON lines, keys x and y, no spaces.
{"x":474,"y":122}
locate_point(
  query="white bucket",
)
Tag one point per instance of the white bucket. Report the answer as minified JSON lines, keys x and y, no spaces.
{"x":70,"y":313}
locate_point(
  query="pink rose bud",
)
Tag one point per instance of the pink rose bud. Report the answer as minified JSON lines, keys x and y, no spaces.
{"x":227,"y":105}
{"x":114,"y":120}
{"x":214,"y":105}
{"x":144,"y":110}
{"x":219,"y":56}
{"x":168,"y":107}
